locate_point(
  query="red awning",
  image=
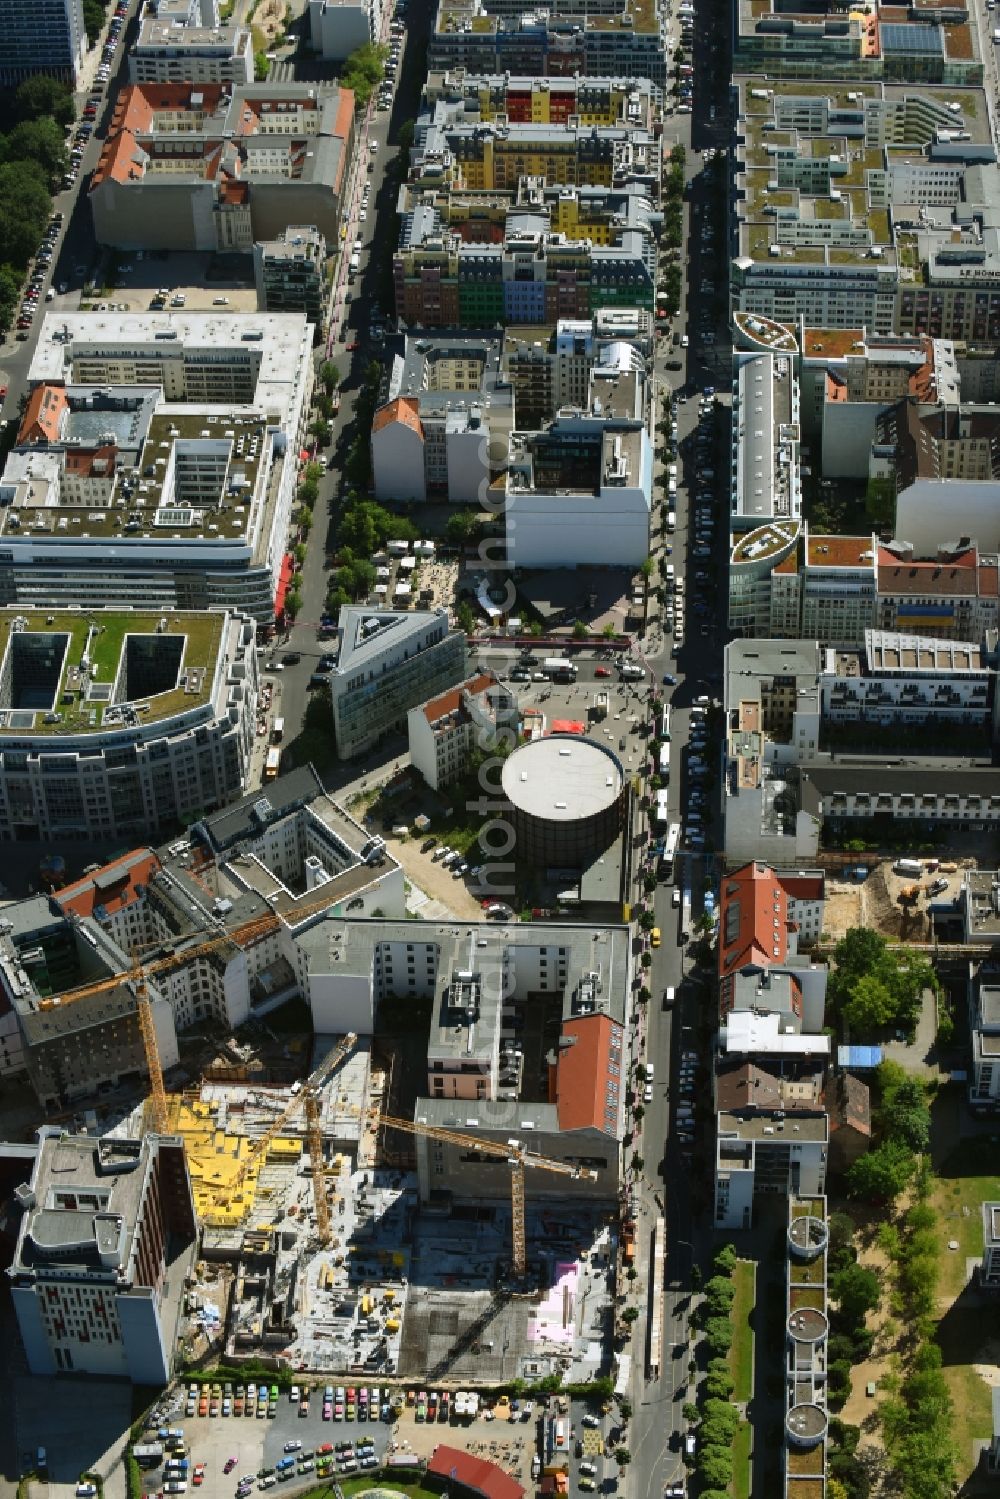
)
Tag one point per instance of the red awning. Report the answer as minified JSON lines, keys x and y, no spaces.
{"x":284,"y":579}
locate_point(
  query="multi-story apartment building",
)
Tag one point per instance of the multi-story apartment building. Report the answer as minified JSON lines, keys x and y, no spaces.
{"x":454,"y":145}
{"x":69,"y":1050}
{"x":157,"y":458}
{"x":445,"y":732}
{"x":989,"y":1268}
{"x":553,"y":101}
{"x":125,"y":726}
{"x":823,"y":192}
{"x":896,"y":46}
{"x":807,"y":1327}
{"x":608,"y":38}
{"x":765,"y":916}
{"x":165,"y":52}
{"x":979,"y":899}
{"x":48,"y":37}
{"x":105,"y":1240}
{"x":578,"y":492}
{"x":953,"y":596}
{"x":766,"y":479}
{"x":389,"y":662}
{"x":446,"y":420}
{"x":788,"y":778}
{"x":570,"y":979}
{"x":787,"y":583}
{"x":910,"y":681}
{"x":211,"y":166}
{"x":550,"y":368}
{"x":534,"y":255}
{"x":339,"y":27}
{"x":289,"y":273}
{"x":267,"y":871}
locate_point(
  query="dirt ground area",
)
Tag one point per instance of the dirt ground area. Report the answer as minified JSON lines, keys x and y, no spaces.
{"x":269,"y":19}
{"x":860,"y":1406}
{"x":436,"y":882}
{"x":510,"y":1446}
{"x":876,"y":902}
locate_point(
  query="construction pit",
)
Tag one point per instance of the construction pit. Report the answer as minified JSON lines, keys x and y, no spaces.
{"x":393,"y":1292}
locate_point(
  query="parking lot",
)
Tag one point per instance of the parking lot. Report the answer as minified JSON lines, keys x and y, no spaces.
{"x":512,"y":1437}
{"x":258,"y":1443}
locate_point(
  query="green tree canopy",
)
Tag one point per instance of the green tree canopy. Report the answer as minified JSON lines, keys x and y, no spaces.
{"x":882,"y":1174}
{"x":856,"y":1290}
{"x":715,"y":1468}
{"x":42,"y":97}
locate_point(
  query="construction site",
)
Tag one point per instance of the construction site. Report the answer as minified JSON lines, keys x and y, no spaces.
{"x":366,"y":1285}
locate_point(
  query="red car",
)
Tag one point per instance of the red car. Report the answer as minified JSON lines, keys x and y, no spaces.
{"x":353,"y":346}
{"x":602,"y":671}
{"x":230,"y":1464}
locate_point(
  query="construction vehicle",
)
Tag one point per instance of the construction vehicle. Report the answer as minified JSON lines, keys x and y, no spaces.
{"x":511,"y":1151}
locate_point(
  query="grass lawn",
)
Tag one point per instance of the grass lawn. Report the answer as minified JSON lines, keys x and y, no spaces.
{"x":965,"y":1179}
{"x":741,"y":1353}
{"x":372,"y":1480}
{"x":740,"y":1486}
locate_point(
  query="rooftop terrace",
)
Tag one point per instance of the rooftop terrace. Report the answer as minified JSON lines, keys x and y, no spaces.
{"x":71,"y":671}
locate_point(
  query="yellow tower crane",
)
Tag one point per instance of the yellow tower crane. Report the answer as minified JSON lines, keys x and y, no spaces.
{"x":309,"y":1096}
{"x":173,"y":955}
{"x":513,"y":1152}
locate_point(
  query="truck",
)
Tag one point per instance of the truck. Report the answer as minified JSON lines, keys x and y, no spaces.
{"x":353,"y":265}
{"x":560,"y":668}
{"x":148,"y":1454}
{"x":912,"y":867}
{"x":272,"y":764}
{"x":277,"y":731}
{"x":662,"y":816}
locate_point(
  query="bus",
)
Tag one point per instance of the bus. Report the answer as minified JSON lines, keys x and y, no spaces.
{"x":559,"y":668}
{"x":664,"y":762}
{"x":665,"y":722}
{"x":669,"y":856}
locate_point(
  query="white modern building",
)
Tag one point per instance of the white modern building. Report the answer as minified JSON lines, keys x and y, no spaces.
{"x":446,"y":420}
{"x":929,"y":511}
{"x":166,"y":52}
{"x":157,"y":458}
{"x":981,"y":896}
{"x":339,"y":27}
{"x":104,"y":1243}
{"x":389,"y":661}
{"x":41,"y":36}
{"x":766,"y":482}
{"x":578,"y":493}
{"x":907,"y":680}
{"x":122,"y":726}
{"x":483,"y":980}
{"x":444,"y":732}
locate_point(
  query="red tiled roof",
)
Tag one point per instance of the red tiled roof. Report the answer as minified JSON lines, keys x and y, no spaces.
{"x":114,"y":886}
{"x":43,"y":414}
{"x":473,"y":1473}
{"x":587,"y":1091}
{"x":439,"y":707}
{"x":403,"y":409}
{"x":804,"y":886}
{"x":753,"y":925}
